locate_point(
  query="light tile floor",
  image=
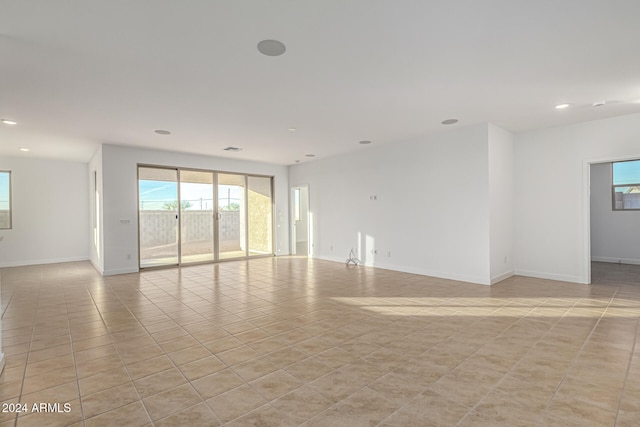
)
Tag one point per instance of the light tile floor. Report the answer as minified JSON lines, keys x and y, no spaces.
{"x":290,"y":341}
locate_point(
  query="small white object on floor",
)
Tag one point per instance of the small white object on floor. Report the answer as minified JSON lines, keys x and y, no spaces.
{"x":352,"y":258}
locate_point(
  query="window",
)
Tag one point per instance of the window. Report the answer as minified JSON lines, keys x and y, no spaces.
{"x":5,"y":199}
{"x":626,"y":185}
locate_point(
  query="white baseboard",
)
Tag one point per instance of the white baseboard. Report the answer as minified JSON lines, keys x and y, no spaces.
{"x":470,"y":279}
{"x":330,"y":258}
{"x":42,"y":261}
{"x":616,"y":260}
{"x":501,"y":277}
{"x":420,"y":271}
{"x":552,"y":276}
{"x":120,"y":271}
{"x":97,"y":267}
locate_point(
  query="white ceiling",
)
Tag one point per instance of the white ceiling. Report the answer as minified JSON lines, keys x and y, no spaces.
{"x":74,"y":74}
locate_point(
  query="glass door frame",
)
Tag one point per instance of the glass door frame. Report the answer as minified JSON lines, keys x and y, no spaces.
{"x":214,"y":231}
{"x":219,"y":215}
{"x":177,"y":182}
{"x":216,"y":216}
{"x":273,"y":214}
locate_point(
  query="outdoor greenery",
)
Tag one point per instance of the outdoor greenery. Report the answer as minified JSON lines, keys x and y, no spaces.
{"x":170,"y":206}
{"x":231,"y":207}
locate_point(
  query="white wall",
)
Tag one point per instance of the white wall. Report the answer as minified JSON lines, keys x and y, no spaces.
{"x":501,"y":194}
{"x":552,"y":200}
{"x":615,"y":235}
{"x":49,"y":212}
{"x":119,"y":186}
{"x":431,"y":211}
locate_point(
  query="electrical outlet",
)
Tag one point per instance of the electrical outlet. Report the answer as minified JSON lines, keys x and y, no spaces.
{"x":331,"y":247}
{"x":389,"y":254}
{"x":128,"y":256}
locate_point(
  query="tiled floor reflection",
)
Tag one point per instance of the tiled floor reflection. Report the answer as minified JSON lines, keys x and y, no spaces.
{"x":287,"y":341}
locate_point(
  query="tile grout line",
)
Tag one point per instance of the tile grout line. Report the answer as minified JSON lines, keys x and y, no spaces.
{"x":175,"y":366}
{"x":451,"y":369}
{"x":102,"y":283}
{"x":584,"y":343}
{"x":33,"y":331}
{"x":631,"y":358}
{"x":202,"y":400}
{"x":73,"y":356}
{"x":120,"y":300}
{"x":514,"y":364}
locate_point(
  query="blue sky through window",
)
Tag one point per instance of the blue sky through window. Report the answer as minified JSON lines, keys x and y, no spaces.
{"x":154,"y":194}
{"x":4,"y":190}
{"x":626,"y":172}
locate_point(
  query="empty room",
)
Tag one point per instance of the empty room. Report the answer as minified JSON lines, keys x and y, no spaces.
{"x":320,"y":213}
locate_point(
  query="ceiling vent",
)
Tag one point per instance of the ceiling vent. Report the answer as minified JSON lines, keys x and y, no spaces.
{"x":232,"y":149}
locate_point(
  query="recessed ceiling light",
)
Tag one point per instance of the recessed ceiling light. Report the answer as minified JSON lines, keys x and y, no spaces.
{"x":449,"y":121}
{"x":271,"y":47}
{"x":9,"y":122}
{"x":364,"y":142}
{"x":232,"y":149}
{"x":292,"y":129}
{"x":162,"y":132}
{"x":562,"y":106}
{"x":24,"y":149}
{"x":310,"y":155}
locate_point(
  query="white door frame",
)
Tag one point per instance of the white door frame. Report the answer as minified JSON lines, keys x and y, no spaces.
{"x":292,"y":221}
{"x":586,"y":209}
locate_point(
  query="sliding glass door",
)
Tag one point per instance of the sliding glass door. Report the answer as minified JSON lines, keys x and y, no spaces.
{"x":232,"y":216}
{"x":196,"y":216}
{"x":158,"y":216}
{"x":260,"y":215}
{"x":193,"y":216}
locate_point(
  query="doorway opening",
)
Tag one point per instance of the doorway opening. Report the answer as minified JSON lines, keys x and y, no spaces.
{"x":613,"y":211}
{"x":300,"y":221}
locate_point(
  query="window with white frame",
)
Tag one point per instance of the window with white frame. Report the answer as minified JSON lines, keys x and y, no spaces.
{"x":626,"y":185}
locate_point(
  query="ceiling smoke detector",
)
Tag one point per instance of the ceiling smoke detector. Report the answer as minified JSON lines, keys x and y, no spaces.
{"x":450,"y":121}
{"x":162,"y":132}
{"x":599,"y":104}
{"x":232,"y":149}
